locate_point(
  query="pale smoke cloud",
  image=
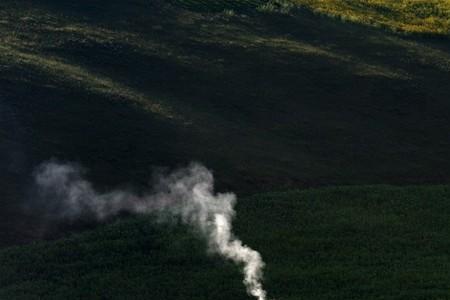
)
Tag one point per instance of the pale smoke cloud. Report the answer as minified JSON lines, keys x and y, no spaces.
{"x":187,"y":194}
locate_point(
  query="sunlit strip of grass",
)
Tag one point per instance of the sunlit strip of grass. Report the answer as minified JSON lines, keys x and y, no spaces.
{"x":291,"y":47}
{"x":408,"y":16}
{"x":61,"y":70}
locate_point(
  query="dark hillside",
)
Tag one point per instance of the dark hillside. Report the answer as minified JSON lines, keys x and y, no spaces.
{"x":266,"y":100}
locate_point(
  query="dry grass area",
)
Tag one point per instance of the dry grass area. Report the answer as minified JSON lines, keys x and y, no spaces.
{"x":408,"y":16}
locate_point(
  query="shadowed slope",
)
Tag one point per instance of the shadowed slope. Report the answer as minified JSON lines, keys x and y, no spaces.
{"x":268,"y":101}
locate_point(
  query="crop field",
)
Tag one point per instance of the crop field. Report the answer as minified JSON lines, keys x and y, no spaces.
{"x":372,"y":242}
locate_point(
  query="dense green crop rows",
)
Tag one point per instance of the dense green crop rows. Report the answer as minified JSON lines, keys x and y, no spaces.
{"x":368,"y":243}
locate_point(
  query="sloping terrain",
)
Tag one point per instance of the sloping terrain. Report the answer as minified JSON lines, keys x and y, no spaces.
{"x":373,"y":242}
{"x":267,"y":100}
{"x":268,"y":95}
{"x":406,"y":16}
{"x":427,"y":17}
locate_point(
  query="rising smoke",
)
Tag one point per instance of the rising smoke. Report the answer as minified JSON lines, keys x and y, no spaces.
{"x":187,"y":194}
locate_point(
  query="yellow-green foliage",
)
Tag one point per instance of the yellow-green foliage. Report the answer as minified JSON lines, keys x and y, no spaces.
{"x":410,"y":16}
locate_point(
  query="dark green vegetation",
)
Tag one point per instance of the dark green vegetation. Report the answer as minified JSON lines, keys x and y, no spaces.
{"x":268,"y":101}
{"x":375,"y":242}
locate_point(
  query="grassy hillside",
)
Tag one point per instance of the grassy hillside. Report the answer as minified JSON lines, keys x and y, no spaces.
{"x":268,"y":101}
{"x":409,"y":16}
{"x":373,"y":242}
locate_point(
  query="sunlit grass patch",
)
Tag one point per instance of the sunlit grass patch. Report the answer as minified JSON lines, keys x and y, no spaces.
{"x":409,"y":16}
{"x":77,"y":75}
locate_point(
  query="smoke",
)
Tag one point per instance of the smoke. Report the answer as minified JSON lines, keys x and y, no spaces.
{"x":186,"y":194}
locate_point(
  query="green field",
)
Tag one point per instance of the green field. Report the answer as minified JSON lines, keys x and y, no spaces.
{"x":372,"y":242}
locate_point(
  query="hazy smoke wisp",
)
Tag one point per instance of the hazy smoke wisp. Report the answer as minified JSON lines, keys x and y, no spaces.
{"x":187,"y":194}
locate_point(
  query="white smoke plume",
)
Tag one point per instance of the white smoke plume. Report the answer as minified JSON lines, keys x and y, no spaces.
{"x":187,"y":194}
